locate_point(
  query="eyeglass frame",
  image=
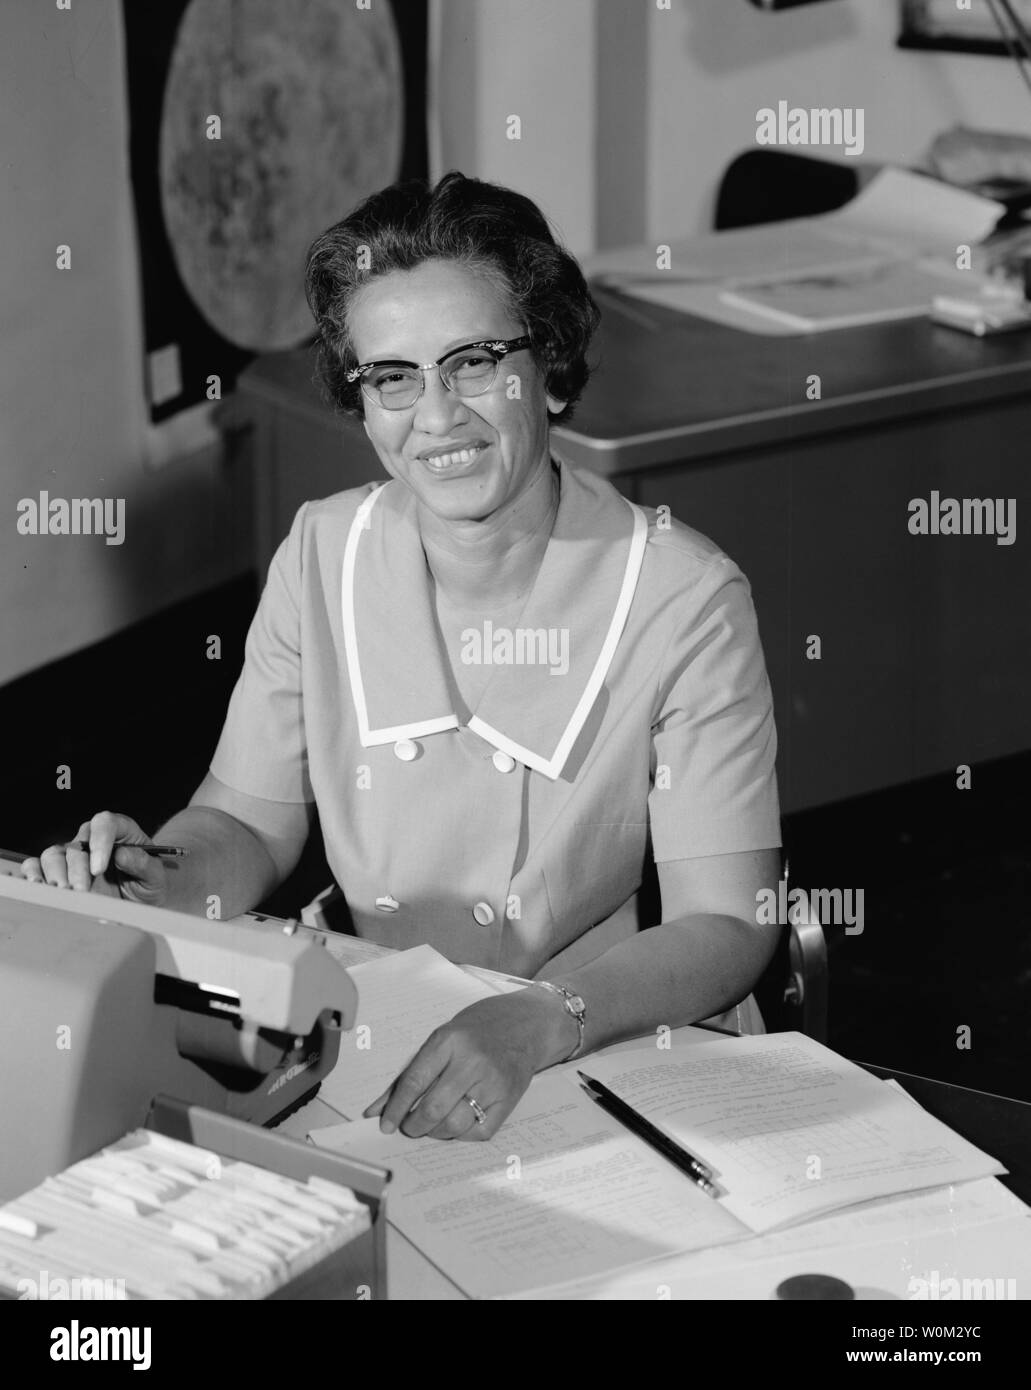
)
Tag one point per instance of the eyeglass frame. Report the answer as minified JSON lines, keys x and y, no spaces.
{"x":500,"y":347}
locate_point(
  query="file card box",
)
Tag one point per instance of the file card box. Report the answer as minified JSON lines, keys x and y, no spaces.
{"x":358,"y":1270}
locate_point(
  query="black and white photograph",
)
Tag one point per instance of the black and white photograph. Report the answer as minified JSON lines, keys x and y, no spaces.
{"x":515,"y":667}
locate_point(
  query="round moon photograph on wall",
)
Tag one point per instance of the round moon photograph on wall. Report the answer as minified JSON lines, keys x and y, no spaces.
{"x":278,"y":117}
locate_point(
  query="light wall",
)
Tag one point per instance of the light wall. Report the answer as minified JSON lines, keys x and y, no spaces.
{"x":534,"y":59}
{"x":72,"y":418}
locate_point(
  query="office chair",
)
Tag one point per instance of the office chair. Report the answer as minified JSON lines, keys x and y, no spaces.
{"x":791,"y":994}
{"x":772,"y":185}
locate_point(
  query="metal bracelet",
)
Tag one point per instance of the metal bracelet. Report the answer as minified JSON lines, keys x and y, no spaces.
{"x":580,"y":1018}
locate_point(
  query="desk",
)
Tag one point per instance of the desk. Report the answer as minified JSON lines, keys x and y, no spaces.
{"x":926,"y":642}
{"x":1000,"y":1126}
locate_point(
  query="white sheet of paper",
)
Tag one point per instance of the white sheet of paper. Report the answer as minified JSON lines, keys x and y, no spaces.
{"x":976,"y":1230}
{"x":561,"y":1192}
{"x":897,"y":214}
{"x":354,"y":950}
{"x":401,"y":999}
{"x":499,"y":983}
{"x":891,"y":290}
{"x":792,"y":1129}
{"x":917,"y":214}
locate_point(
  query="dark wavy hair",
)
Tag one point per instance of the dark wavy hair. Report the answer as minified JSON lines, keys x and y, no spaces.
{"x":491,"y":230}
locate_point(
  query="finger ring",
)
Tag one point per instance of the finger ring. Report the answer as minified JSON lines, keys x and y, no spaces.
{"x":478,"y":1111}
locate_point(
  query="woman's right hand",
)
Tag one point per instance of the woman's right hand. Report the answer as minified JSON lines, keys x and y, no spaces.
{"x":112,"y":866}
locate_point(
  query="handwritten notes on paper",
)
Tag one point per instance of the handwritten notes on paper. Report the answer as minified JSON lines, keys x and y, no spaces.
{"x":564,"y":1193}
{"x":560,"y":1192}
{"x":792,"y":1129}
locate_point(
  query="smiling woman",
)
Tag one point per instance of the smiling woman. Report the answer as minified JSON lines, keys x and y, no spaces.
{"x":465,"y":449}
{"x":495,"y":232}
{"x":498,"y":809}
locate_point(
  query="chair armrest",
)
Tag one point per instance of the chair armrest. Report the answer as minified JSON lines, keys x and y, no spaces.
{"x":807,"y":955}
{"x":324,"y":909}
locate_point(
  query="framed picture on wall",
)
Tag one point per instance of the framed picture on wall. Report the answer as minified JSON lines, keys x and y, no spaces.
{"x":977,"y":29}
{"x":253,"y":128}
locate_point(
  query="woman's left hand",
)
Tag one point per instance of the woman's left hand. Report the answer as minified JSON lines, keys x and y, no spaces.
{"x":489,"y":1052}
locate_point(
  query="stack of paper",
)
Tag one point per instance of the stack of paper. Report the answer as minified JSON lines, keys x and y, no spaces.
{"x":563,"y":1192}
{"x":884,"y":255}
{"x":851,"y":295}
{"x":972,"y":1240}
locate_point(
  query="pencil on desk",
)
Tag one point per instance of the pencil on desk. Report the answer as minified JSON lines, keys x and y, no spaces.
{"x":700,"y":1173}
{"x":166,"y":851}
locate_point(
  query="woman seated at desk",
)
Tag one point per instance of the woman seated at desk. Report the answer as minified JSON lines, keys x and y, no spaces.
{"x":500,"y":683}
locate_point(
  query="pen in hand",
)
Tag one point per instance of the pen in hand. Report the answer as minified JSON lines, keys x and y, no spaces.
{"x":700,"y":1173}
{"x":166,"y":851}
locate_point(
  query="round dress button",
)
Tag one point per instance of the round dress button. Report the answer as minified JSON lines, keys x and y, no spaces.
{"x":504,"y":762}
{"x":484,"y":914}
{"x":387,"y":903}
{"x":406,"y":750}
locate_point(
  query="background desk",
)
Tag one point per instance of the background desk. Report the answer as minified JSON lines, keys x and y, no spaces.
{"x":926,"y":640}
{"x":999,"y":1126}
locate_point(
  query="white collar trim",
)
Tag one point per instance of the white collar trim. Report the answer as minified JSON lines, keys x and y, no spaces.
{"x":550,"y":767}
{"x":372,"y":737}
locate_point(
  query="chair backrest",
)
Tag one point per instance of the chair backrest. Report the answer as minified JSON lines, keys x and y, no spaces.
{"x":772,"y":185}
{"x":328,"y":911}
{"x":793,"y":991}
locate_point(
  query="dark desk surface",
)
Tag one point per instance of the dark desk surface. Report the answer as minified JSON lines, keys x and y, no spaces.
{"x":997,"y":1124}
{"x":689,"y":388}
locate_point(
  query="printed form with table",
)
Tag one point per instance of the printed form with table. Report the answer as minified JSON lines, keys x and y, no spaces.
{"x":819,"y":1166}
